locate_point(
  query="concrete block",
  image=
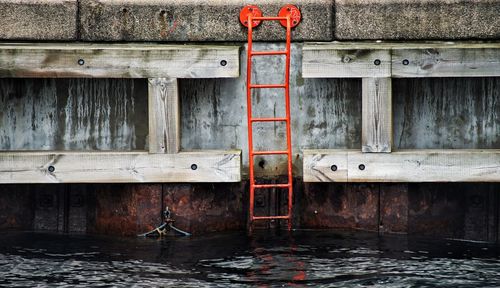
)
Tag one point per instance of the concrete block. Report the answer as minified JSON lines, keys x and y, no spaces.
{"x":38,"y":19}
{"x":196,"y":20}
{"x":417,"y":19}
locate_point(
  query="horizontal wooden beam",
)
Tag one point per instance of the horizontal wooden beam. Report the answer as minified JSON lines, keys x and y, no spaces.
{"x":445,"y":62}
{"x":408,"y":60}
{"x":354,"y":63}
{"x":119,"y":167}
{"x":382,"y":45}
{"x":402,"y":166}
{"x":118,"y":60}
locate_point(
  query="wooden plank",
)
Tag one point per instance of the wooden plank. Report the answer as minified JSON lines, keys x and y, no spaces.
{"x":164,"y":115}
{"x":445,"y":62}
{"x":427,"y":59}
{"x":382,"y":45}
{"x":404,"y":166}
{"x":123,"y":167}
{"x":118,"y":61}
{"x":376,"y":135}
{"x":352,"y":63}
{"x":324,"y":166}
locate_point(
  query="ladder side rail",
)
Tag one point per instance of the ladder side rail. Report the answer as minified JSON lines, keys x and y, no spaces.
{"x":249,"y":119}
{"x":248,"y":15}
{"x":288,"y":123}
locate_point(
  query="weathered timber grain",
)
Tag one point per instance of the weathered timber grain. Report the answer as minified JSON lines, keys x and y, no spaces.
{"x":116,"y":167}
{"x":446,"y":62}
{"x":118,"y":61}
{"x":164,"y":116}
{"x":377,"y":115}
{"x":330,"y":62}
{"x":403,"y":166}
{"x":403,"y":60}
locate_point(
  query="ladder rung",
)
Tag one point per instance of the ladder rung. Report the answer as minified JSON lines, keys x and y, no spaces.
{"x":283,"y":119}
{"x":268,"y":18}
{"x":270,"y":217}
{"x":253,"y":53}
{"x":269,"y":152}
{"x":263,"y":186}
{"x":253,"y":86}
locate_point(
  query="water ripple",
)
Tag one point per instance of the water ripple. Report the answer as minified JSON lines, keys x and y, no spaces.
{"x":312,"y":259}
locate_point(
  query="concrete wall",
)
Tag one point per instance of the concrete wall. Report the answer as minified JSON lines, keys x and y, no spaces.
{"x":217,"y":20}
{"x":110,"y":114}
{"x":326,"y":113}
{"x":73,"y":114}
{"x":447,"y":113}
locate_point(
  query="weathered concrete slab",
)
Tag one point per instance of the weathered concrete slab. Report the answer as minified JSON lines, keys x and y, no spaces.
{"x":196,"y":20}
{"x":459,"y":113}
{"x":36,"y":114}
{"x":38,"y":19}
{"x":326,"y":113}
{"x":417,"y":19}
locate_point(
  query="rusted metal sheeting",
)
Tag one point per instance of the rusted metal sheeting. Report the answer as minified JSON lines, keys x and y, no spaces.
{"x":457,"y":210}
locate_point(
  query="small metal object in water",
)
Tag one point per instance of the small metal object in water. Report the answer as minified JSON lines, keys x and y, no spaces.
{"x":166,"y":226}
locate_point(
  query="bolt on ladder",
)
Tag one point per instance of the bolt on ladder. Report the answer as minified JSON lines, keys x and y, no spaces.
{"x":289,"y":17}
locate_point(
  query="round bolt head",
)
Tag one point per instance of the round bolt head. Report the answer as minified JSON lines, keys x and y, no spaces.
{"x":377,"y":62}
{"x":346,"y":59}
{"x":290,"y":11}
{"x":51,"y":169}
{"x":406,"y":62}
{"x":333,"y":168}
{"x":194,"y":166}
{"x":250,"y":10}
{"x":361,"y":167}
{"x":223,"y":63}
{"x":81,"y":62}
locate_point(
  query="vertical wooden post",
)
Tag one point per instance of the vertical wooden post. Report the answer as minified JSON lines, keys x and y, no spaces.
{"x":164,"y":115}
{"x":376,"y":115}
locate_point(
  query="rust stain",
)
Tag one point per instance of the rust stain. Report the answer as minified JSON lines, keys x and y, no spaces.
{"x":201,"y":208}
{"x":166,"y":26}
{"x":127,"y":209}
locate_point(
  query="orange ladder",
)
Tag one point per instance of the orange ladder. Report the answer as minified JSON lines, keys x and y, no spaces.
{"x":289,"y":17}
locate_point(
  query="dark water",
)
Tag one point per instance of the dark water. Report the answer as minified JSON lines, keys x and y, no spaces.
{"x":304,"y":258}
